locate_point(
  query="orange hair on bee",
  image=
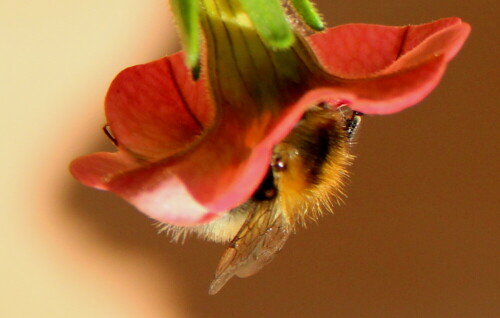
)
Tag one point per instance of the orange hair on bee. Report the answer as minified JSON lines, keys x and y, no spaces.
{"x":316,"y":155}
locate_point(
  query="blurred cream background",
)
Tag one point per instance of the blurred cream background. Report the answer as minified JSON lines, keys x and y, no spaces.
{"x":418,"y":236}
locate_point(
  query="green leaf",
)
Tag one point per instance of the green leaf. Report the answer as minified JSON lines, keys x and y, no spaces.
{"x":270,"y":21}
{"x":309,"y":14}
{"x":186,"y":14}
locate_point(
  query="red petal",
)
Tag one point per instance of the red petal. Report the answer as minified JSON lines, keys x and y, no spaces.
{"x":382,"y":95}
{"x":154,"y":110}
{"x":185,"y":191}
{"x":184,"y":177}
{"x":97,"y":169}
{"x":218,"y":174}
{"x":387,"y":69}
{"x":361,"y":50}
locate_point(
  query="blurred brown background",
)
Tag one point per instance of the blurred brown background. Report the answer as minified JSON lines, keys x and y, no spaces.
{"x":417,"y":237}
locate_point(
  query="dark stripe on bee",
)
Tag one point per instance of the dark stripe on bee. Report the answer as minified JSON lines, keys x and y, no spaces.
{"x":316,"y":143}
{"x":314,"y":151}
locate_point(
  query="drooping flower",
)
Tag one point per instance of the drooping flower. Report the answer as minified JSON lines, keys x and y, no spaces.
{"x":189,"y":151}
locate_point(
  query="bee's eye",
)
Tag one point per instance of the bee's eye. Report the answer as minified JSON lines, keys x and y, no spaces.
{"x":278,"y":164}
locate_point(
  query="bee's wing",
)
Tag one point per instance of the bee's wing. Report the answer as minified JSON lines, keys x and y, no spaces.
{"x":263,"y":234}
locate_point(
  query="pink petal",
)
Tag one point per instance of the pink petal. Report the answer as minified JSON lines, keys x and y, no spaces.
{"x":154,"y":110}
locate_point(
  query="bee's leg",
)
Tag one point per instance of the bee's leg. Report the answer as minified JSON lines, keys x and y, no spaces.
{"x":352,"y":124}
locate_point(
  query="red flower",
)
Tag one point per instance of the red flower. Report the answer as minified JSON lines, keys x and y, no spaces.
{"x":188,"y":151}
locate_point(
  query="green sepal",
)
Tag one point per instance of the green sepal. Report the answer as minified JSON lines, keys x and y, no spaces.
{"x":309,"y":14}
{"x":186,"y":14}
{"x":270,"y":21}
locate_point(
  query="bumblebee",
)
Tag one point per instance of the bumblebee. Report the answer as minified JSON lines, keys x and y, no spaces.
{"x":304,"y":180}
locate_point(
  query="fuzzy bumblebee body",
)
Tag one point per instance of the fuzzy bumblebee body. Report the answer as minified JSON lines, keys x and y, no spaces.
{"x":304,"y":180}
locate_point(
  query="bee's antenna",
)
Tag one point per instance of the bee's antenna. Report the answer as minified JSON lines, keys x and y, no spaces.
{"x":109,"y":134}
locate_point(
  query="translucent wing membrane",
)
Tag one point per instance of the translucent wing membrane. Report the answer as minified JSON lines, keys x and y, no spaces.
{"x":263,"y":234}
